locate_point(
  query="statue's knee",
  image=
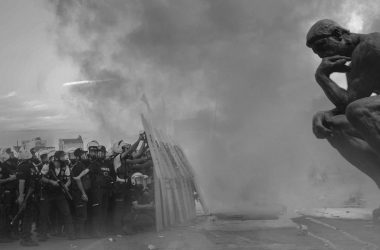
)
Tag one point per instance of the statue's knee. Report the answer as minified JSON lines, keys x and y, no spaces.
{"x":355,"y":111}
{"x":337,"y":122}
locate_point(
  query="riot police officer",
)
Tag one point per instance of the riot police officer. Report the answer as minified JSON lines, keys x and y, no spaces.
{"x":35,"y":159}
{"x":8,"y":193}
{"x":142,"y":214}
{"x":8,"y":187}
{"x":80,"y":187}
{"x":123,"y":163}
{"x":102,"y":178}
{"x":56,"y":181}
{"x":28,"y":177}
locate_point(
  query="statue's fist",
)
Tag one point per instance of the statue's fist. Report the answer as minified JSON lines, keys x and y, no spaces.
{"x":333,"y":64}
{"x":319,"y":129}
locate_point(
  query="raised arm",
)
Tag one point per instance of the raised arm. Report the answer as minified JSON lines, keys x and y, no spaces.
{"x":135,"y":161}
{"x":361,"y":77}
{"x":337,"y":95}
{"x":132,"y":148}
{"x":141,"y":150}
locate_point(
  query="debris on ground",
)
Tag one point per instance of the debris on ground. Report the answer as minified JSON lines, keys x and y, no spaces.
{"x":303,"y":230}
{"x":152,"y":247}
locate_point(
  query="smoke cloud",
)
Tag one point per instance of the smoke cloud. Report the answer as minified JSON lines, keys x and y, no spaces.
{"x":233,"y":81}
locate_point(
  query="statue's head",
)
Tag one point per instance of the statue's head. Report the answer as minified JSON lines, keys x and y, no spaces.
{"x":327,"y":38}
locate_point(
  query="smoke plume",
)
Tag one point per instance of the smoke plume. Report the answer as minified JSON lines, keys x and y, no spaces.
{"x":233,"y":80}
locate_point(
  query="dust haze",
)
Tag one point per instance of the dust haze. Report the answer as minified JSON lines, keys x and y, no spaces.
{"x":232,"y":81}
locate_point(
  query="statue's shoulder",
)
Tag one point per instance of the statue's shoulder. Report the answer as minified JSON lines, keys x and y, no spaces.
{"x":371,"y":41}
{"x":368,"y":49}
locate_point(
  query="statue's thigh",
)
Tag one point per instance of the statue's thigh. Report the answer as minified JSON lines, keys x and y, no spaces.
{"x":371,"y":104}
{"x":361,"y":113}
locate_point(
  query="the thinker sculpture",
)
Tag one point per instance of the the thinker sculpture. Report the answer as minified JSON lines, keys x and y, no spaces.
{"x":353,"y":126}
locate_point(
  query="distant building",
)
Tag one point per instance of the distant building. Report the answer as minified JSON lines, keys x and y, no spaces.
{"x":37,"y":143}
{"x":69,"y":144}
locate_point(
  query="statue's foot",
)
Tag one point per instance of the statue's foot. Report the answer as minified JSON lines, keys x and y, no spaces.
{"x":376,"y":215}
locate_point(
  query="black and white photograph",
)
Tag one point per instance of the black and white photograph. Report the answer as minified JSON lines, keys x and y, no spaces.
{"x":190,"y":124}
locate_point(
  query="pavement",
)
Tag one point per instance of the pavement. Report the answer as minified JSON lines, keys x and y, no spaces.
{"x":209,"y":233}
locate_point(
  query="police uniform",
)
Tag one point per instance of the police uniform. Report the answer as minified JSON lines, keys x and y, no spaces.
{"x":141,"y":219}
{"x":36,"y":161}
{"x":122,"y":191}
{"x":5,"y":204}
{"x":80,"y":205}
{"x":102,"y":178}
{"x":54,"y":196}
{"x":9,"y":195}
{"x":26,"y":171}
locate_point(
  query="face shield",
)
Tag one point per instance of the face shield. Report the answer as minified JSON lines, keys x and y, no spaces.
{"x":60,"y":158}
{"x":83,"y":156}
{"x":101,"y":154}
{"x":64,"y":157}
{"x":140,"y":181}
{"x":93,"y":152}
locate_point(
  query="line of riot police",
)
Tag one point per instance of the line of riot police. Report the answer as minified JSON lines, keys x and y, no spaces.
{"x":91,"y":195}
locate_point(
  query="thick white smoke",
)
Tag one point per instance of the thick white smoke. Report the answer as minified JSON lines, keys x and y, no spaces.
{"x":233,"y":80}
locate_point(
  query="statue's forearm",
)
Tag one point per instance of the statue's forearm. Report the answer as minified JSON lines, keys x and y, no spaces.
{"x":337,"y":95}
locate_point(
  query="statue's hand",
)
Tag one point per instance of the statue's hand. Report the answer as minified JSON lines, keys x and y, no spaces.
{"x":333,"y":64}
{"x":319,"y":128}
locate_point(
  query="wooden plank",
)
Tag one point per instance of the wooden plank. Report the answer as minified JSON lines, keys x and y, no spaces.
{"x":158,"y":203}
{"x":157,"y":186}
{"x":160,"y":193}
{"x":176,"y":180}
{"x":184,"y":197}
{"x":188,"y":186}
{"x":189,"y":190}
{"x":166,"y":180}
{"x":187,"y":196}
{"x":196,"y":186}
{"x":171,"y":168}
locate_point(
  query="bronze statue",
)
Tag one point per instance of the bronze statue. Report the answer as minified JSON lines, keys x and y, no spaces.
{"x":353,"y":126}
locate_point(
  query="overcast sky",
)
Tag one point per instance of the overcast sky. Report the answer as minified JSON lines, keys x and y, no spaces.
{"x":32,"y":74}
{"x":238,"y":69}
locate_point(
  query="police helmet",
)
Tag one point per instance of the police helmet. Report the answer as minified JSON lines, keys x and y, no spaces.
{"x":93,"y":145}
{"x":58,"y":155}
{"x":79,"y":152}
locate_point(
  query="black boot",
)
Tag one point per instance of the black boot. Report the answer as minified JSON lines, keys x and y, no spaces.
{"x":5,"y":240}
{"x":42,"y":237}
{"x":82,"y":232}
{"x":28,"y":243}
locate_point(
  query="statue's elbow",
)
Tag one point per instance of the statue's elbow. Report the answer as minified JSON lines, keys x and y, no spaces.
{"x":342,"y":104}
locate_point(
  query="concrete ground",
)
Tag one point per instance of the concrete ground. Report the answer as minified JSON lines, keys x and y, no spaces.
{"x":208,"y":233}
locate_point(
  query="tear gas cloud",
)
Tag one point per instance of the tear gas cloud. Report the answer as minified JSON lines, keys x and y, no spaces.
{"x":232,"y":80}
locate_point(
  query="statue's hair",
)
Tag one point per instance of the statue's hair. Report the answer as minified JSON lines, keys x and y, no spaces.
{"x":323,"y":28}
